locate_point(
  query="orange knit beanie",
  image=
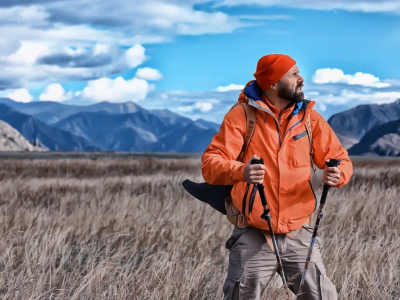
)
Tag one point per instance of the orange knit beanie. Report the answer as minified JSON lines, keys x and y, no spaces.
{"x":271,"y":68}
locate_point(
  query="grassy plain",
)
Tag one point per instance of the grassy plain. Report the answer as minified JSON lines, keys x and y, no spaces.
{"x":126,"y":229}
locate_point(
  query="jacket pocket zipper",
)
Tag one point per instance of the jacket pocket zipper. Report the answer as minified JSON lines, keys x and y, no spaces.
{"x":299,"y":136}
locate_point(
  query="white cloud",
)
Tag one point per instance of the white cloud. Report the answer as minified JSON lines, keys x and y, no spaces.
{"x":204,"y":107}
{"x":353,"y":98}
{"x":101,"y":49}
{"x":52,"y":41}
{"x":231,"y":87}
{"x":116,"y":90}
{"x":322,"y":106}
{"x":84,"y":23}
{"x":328,"y":75}
{"x":385,"y":6}
{"x":33,"y":14}
{"x":20,"y":95}
{"x":135,"y":56}
{"x":149,"y":74}
{"x":28,"y":53}
{"x":55,"y":92}
{"x":201,"y":106}
{"x":33,"y":62}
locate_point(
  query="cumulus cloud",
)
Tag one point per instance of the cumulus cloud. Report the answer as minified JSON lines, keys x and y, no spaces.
{"x":50,"y":41}
{"x":116,"y":90}
{"x":328,"y":75}
{"x":152,"y":17}
{"x":55,"y":92}
{"x":83,"y":23}
{"x":329,"y":97}
{"x":334,"y":91}
{"x":201,"y":106}
{"x":369,"y":6}
{"x":14,"y":15}
{"x":135,"y":56}
{"x":353,"y":98}
{"x":34,"y":62}
{"x":28,"y":53}
{"x":231,"y":87}
{"x":20,"y":95}
{"x":149,"y":74}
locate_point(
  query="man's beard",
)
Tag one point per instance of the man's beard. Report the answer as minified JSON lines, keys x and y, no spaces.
{"x":291,"y":96}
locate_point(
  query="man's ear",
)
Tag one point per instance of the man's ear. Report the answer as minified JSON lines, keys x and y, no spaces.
{"x":274,"y":87}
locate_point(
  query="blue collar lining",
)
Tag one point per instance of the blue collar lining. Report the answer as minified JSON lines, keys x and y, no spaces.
{"x":254,"y":91}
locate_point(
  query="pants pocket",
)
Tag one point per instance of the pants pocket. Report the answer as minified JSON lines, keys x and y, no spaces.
{"x":327,"y":288}
{"x":237,"y":233}
{"x":231,"y":286}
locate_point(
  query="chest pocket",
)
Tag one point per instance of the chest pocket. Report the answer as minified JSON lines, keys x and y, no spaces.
{"x":300,"y":149}
{"x":299,"y":136}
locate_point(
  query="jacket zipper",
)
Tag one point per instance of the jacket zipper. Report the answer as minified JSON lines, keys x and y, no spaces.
{"x":279,"y":171}
{"x":280,"y":144}
{"x":314,"y":195}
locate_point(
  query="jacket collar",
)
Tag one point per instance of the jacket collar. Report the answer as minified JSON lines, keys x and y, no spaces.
{"x":252,"y":94}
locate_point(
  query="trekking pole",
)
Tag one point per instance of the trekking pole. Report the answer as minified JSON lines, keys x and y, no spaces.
{"x":331,"y":163}
{"x":267,"y":217}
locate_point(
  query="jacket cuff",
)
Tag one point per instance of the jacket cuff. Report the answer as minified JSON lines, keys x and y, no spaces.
{"x":237,"y":171}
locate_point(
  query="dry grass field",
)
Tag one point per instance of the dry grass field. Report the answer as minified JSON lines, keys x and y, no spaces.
{"x":126,"y":229}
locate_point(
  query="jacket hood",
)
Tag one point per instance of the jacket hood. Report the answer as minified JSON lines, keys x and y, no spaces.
{"x":252,"y":94}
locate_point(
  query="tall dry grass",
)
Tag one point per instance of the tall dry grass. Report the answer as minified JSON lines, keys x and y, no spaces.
{"x":126,"y":229}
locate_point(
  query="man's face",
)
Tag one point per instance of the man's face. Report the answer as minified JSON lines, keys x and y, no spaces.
{"x":290,"y":86}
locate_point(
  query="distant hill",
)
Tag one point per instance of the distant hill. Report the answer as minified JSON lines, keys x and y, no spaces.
{"x":142,"y":131}
{"x":12,"y":140}
{"x":208,"y":124}
{"x":192,"y":138}
{"x":51,"y":137}
{"x":383,"y":140}
{"x":351,"y":125}
{"x":118,"y":132}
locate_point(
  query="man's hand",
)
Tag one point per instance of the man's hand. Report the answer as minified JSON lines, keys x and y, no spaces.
{"x":331,"y":175}
{"x":254,"y":174}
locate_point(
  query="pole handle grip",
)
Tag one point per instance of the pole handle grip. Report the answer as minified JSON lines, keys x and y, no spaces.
{"x":332,"y":163}
{"x":257,"y":161}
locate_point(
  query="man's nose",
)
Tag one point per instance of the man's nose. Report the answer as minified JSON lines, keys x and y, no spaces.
{"x":301,"y":79}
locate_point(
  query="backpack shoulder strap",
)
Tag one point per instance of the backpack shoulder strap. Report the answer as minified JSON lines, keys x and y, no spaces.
{"x":309,"y":133}
{"x":250,"y":113}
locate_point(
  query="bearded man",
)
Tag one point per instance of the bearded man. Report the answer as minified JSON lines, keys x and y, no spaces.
{"x":280,"y":138}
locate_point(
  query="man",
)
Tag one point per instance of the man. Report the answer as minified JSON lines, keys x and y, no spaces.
{"x":280,"y":138}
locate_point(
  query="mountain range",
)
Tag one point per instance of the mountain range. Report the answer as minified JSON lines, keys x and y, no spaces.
{"x":51,"y":137}
{"x":369,"y":129}
{"x":364,"y":130}
{"x":107,"y":126}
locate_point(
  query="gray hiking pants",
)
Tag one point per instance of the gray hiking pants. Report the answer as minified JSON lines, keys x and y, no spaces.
{"x":252,"y":264}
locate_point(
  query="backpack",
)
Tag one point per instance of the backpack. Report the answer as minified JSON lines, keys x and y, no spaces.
{"x":218,"y":196}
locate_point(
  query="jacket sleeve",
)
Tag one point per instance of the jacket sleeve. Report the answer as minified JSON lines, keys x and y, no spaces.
{"x":219,"y":165}
{"x":326,"y":145}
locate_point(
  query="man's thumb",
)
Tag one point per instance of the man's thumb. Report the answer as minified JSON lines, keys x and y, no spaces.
{"x":253,"y":157}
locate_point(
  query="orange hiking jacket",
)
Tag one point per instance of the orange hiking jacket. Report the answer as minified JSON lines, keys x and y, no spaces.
{"x":286,"y":155}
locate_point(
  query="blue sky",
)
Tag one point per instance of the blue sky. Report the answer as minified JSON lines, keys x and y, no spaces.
{"x":194,"y":56}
